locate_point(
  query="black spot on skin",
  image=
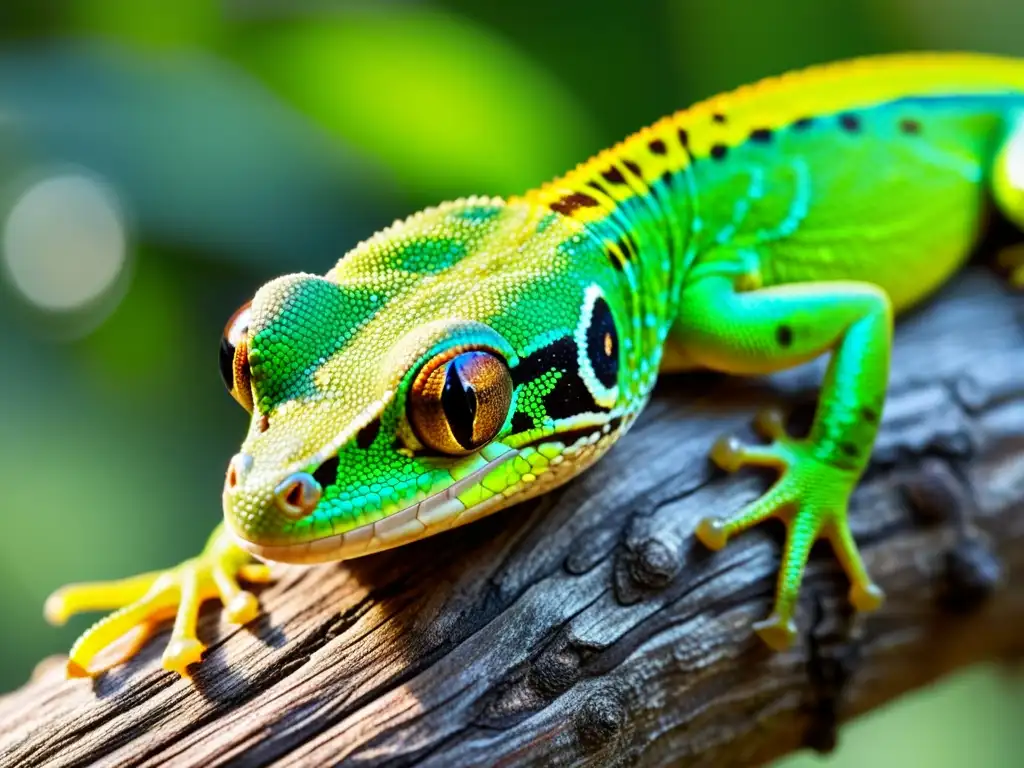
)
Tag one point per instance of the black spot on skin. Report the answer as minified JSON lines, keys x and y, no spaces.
{"x":627,"y":246}
{"x":784,"y":335}
{"x":684,"y":139}
{"x":869,"y":415}
{"x":910,"y":127}
{"x":613,"y":176}
{"x":573,"y":202}
{"x":718,"y":117}
{"x":849,"y":122}
{"x":666,"y":178}
{"x":366,"y":435}
{"x":633,"y":168}
{"x":617,"y":258}
{"x":603,"y":344}
{"x":849,"y":449}
{"x":719,"y":151}
{"x":657,"y":146}
{"x":570,"y":395}
{"x":458,"y":400}
{"x":598,"y":188}
{"x":803,"y":123}
{"x":327,"y":473}
{"x":761,"y":135}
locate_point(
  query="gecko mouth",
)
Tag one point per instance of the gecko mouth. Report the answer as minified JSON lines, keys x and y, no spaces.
{"x":434,"y":514}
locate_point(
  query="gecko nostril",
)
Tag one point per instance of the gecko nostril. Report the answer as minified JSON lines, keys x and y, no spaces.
{"x":298,"y":495}
{"x":237,"y":469}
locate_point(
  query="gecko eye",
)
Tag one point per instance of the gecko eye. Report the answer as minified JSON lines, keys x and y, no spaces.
{"x":458,"y":403}
{"x":234,"y":356}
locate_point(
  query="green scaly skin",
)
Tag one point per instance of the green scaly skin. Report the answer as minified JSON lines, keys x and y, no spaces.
{"x":748,"y":234}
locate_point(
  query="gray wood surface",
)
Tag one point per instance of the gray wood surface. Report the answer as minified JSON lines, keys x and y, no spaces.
{"x":589,"y":627}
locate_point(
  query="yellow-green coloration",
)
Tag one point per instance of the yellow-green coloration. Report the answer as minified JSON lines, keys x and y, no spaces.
{"x":482,"y":352}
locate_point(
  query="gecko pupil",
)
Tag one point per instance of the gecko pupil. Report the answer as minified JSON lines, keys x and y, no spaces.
{"x":227,"y":363}
{"x":458,"y":399}
{"x":234,"y":356}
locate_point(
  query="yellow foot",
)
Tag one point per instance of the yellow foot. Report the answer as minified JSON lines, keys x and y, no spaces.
{"x":145,"y":601}
{"x":811,"y":497}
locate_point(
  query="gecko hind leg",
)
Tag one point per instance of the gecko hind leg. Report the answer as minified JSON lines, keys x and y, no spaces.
{"x":144,"y":601}
{"x":803,"y":498}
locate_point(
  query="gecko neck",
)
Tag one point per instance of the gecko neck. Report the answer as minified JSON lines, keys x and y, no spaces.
{"x":637,"y":202}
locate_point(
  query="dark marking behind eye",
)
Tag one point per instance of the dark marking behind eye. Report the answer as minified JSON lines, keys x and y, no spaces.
{"x":521,"y":422}
{"x":603,"y":344}
{"x":327,"y":473}
{"x":366,"y":436}
{"x":570,"y":395}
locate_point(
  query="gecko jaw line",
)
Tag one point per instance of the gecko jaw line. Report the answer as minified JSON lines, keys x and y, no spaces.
{"x":431,"y":515}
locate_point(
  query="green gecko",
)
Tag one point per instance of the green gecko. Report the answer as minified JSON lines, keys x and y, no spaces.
{"x":485,"y":351}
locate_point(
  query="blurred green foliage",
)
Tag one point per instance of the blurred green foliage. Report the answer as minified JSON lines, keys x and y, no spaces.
{"x":250,"y":138}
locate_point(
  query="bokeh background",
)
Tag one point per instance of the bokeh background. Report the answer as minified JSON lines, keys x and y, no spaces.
{"x":160,"y":160}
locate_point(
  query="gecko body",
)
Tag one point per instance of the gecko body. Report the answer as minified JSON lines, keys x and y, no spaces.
{"x":484,"y":351}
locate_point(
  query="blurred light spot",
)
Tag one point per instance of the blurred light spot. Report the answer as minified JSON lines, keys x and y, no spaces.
{"x":64,"y":242}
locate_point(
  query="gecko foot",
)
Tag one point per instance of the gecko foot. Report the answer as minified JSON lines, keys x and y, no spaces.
{"x":811,"y":497}
{"x":142,"y":602}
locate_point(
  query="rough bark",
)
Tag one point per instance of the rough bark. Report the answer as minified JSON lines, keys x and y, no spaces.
{"x":588,"y":627}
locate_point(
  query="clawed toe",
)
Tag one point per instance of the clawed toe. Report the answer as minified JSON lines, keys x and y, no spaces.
{"x":777,"y":633}
{"x":712,"y":533}
{"x":727,"y":453}
{"x":770,"y":423}
{"x":866,"y":597}
{"x":182,"y":653}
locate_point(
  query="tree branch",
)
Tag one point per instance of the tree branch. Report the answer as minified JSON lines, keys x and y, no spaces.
{"x":588,"y":627}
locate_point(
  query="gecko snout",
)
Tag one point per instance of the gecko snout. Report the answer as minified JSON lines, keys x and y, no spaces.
{"x":298,"y":495}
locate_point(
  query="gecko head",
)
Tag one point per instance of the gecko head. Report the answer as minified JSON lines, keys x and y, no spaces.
{"x":425,"y":381}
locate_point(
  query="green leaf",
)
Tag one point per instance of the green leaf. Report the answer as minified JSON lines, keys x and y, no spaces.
{"x":448,"y":105}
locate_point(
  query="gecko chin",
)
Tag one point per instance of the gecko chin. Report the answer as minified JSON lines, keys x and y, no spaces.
{"x":435,"y":513}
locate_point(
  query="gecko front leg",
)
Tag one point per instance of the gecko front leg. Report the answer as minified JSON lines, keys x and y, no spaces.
{"x":146,"y":600}
{"x":761,"y":331}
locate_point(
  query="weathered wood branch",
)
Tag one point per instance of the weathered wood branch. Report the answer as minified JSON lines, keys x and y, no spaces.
{"x":588,"y":627}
